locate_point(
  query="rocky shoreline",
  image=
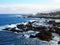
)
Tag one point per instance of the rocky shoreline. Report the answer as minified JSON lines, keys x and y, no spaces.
{"x":44,"y":32}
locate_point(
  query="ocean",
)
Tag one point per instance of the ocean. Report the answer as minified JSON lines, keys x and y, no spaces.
{"x":6,"y":19}
{"x":11,"y":38}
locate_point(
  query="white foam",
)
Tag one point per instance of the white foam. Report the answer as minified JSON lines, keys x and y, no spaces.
{"x":11,"y":26}
{"x":32,"y":20}
{"x":57,"y":20}
{"x":1,"y":30}
{"x":17,"y":28}
{"x":30,"y":31}
{"x":26,"y":35}
{"x":25,"y":23}
{"x":55,"y":39}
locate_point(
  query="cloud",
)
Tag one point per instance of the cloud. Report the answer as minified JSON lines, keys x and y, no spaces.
{"x":25,"y":8}
{"x":56,"y":1}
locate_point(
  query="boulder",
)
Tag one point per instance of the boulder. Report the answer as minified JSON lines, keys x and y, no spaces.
{"x":32,"y":36}
{"x":21,"y":26}
{"x":52,"y":30}
{"x":44,"y":35}
{"x":51,"y":22}
{"x":57,"y":30}
{"x":14,"y":30}
{"x":59,"y":42}
{"x":7,"y":29}
{"x":39,"y":28}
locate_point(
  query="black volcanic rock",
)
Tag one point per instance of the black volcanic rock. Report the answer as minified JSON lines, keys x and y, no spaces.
{"x":14,"y":30}
{"x":52,"y":30}
{"x":58,"y":24}
{"x":32,"y":36}
{"x":57,"y":30}
{"x":7,"y":29}
{"x":20,"y":26}
{"x":52,"y":22}
{"x":59,"y":42}
{"x":38,"y":28}
{"x":44,"y":35}
{"x":29,"y":25}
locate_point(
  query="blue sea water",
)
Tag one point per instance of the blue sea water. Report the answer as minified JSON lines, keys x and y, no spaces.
{"x":10,"y":38}
{"x":6,"y":19}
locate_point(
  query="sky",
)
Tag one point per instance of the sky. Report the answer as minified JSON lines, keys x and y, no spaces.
{"x":27,"y":6}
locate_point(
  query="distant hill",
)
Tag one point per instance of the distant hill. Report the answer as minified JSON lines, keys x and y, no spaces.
{"x":53,"y":15}
{"x":50,"y":13}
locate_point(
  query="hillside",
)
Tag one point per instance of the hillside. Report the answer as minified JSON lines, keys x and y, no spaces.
{"x":50,"y":13}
